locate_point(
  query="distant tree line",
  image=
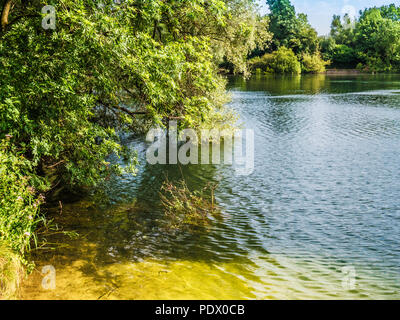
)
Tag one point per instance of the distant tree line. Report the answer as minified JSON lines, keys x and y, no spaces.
{"x":370,"y":43}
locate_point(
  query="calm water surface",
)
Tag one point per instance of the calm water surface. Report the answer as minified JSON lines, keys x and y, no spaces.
{"x":325,"y":195}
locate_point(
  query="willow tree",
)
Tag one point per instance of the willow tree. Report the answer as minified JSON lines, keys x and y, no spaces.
{"x":65,"y":94}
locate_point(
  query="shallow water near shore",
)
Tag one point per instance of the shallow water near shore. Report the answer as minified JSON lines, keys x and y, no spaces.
{"x":323,"y":199}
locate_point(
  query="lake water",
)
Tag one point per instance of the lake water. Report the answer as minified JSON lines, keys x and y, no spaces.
{"x":319,"y":218}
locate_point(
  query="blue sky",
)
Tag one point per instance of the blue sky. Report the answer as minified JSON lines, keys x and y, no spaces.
{"x":320,"y":12}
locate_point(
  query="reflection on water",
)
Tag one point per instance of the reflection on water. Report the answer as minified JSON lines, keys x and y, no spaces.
{"x":323,"y":196}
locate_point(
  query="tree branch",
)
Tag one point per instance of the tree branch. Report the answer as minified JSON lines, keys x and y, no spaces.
{"x":129,"y":112}
{"x":5,"y":13}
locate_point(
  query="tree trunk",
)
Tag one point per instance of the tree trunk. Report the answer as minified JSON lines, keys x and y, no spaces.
{"x":5,"y":13}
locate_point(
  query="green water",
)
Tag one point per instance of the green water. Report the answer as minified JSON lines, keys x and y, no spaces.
{"x":324,"y":195}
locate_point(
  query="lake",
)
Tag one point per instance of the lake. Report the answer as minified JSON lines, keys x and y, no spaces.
{"x":319,"y":218}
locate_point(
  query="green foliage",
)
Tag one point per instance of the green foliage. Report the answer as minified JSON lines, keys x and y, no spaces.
{"x":258,"y":64}
{"x":186,"y":208}
{"x":47,"y":86}
{"x":391,"y":12}
{"x":372,"y":42}
{"x":327,"y":45}
{"x":243,"y":32}
{"x":19,"y":205}
{"x":108,"y":67}
{"x":282,"y":61}
{"x":378,"y":41}
{"x":291,"y":30}
{"x":344,"y":56}
{"x":65,"y":93}
{"x":343,"y":31}
{"x":313,"y":63}
{"x":283,"y":21}
{"x":294,"y":40}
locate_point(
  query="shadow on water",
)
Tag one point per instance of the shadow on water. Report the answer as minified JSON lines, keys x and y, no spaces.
{"x":125,"y":225}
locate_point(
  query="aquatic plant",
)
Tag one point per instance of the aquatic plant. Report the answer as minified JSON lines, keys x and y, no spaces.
{"x":185,"y":208}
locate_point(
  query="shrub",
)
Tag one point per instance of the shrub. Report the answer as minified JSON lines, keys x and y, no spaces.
{"x":313,"y":63}
{"x":19,"y":205}
{"x":18,"y":217}
{"x":374,"y":63}
{"x":344,"y":57}
{"x":261,"y":63}
{"x":282,"y":61}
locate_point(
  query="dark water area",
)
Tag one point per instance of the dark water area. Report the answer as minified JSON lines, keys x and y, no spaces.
{"x":319,"y":218}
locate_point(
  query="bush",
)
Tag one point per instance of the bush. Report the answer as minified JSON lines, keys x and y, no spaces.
{"x":19,"y":205}
{"x":344,"y":57}
{"x":19,"y":215}
{"x":282,"y":61}
{"x":261,"y":63}
{"x":313,"y":63}
{"x":374,"y":63}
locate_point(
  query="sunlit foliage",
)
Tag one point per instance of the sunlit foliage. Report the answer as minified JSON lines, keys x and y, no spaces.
{"x":371,"y":42}
{"x":108,"y":67}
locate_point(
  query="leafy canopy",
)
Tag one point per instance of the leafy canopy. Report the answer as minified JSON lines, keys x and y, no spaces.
{"x":372,"y":41}
{"x":108,"y":67}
